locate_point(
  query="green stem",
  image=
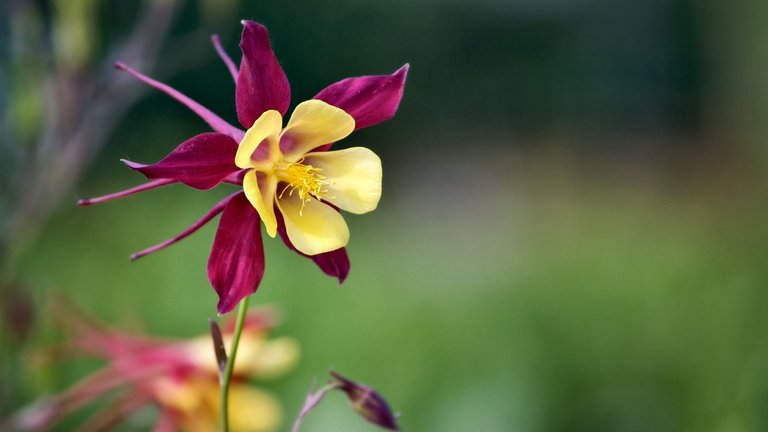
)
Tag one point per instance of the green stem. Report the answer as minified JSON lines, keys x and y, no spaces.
{"x":226,"y":377}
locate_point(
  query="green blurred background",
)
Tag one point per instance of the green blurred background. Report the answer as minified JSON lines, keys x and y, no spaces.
{"x":572,"y":234}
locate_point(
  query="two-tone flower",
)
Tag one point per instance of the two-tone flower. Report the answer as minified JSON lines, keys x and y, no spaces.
{"x":179,"y":378}
{"x":290,"y":181}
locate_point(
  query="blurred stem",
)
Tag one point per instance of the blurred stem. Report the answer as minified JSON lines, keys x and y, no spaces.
{"x":313,"y":399}
{"x":226,"y":377}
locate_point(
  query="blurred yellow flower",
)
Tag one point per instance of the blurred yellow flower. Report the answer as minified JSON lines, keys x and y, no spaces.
{"x":179,"y":377}
{"x":194,"y":406}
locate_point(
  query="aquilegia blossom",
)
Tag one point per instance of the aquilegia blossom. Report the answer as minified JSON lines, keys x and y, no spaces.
{"x":179,"y":378}
{"x":291,"y":182}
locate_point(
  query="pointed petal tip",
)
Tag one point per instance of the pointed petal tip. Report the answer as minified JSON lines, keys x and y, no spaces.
{"x":224,"y":306}
{"x":253,"y":25}
{"x":84,"y":202}
{"x":132,"y":165}
{"x":341,"y":276}
{"x":369,"y":99}
{"x":261,"y":83}
{"x":201,"y":162}
{"x":248,"y":23}
{"x":236,"y":262}
{"x":402,"y":74}
{"x":120,"y":65}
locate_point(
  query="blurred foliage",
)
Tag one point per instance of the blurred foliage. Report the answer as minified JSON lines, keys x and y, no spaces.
{"x":572,"y":235}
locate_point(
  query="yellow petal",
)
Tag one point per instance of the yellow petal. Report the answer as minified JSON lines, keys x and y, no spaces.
{"x":312,"y":124}
{"x":181,"y":395}
{"x":260,"y":190}
{"x":354,"y":177}
{"x":316,"y":228}
{"x":266,"y":359}
{"x":252,"y":410}
{"x":267,"y":127}
{"x":204,"y":415}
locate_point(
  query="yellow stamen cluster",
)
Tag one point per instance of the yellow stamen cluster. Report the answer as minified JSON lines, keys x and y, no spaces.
{"x":306,"y":180}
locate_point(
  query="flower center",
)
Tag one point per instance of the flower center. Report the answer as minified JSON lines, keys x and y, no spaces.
{"x":306,"y":180}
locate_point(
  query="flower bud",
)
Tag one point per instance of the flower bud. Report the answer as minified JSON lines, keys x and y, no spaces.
{"x":367,"y":402}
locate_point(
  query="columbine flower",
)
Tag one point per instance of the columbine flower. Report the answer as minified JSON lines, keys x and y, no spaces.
{"x":290,"y":181}
{"x":179,"y":377}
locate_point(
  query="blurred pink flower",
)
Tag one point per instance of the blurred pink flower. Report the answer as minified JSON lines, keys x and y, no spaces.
{"x":178,"y":377}
{"x":290,"y":181}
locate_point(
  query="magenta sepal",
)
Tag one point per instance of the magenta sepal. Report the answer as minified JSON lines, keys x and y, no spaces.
{"x":201,"y":162}
{"x":214,"y":121}
{"x":236,"y":263}
{"x":334,"y":263}
{"x":261,"y":83}
{"x":368,"y":99}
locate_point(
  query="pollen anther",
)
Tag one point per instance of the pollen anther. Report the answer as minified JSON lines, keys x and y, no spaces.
{"x":307,"y":181}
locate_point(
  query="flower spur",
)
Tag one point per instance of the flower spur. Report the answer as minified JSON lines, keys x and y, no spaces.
{"x":291,"y":182}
